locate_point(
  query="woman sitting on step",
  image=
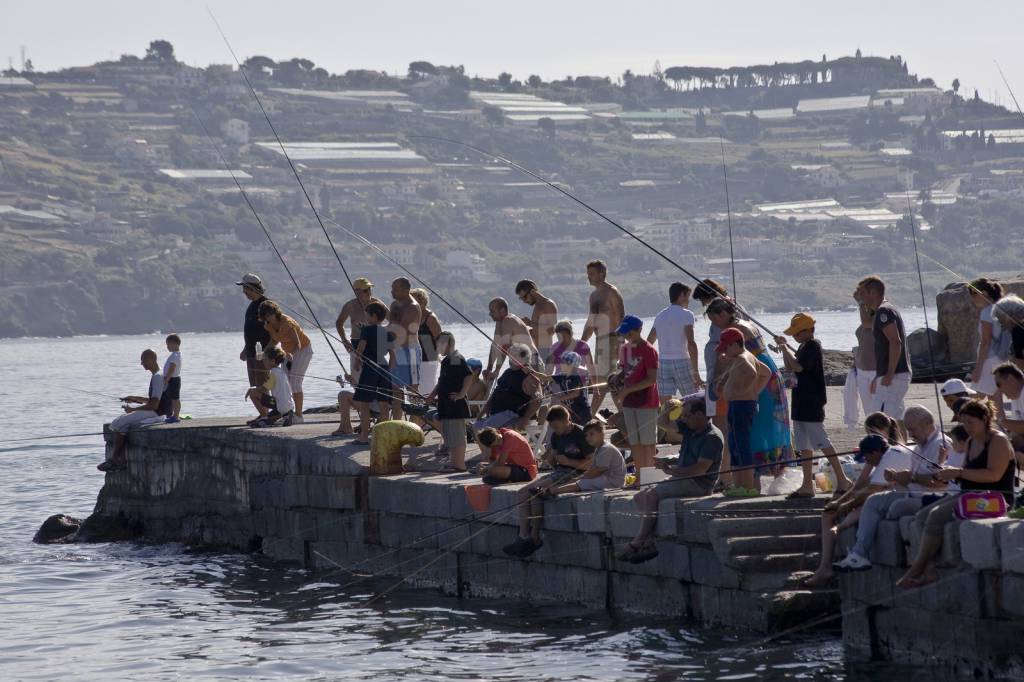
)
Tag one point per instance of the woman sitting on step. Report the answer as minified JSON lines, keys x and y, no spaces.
{"x":844,"y":511}
{"x":989,"y":466}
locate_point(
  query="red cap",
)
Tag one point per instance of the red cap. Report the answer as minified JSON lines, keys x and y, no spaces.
{"x":729,"y":336}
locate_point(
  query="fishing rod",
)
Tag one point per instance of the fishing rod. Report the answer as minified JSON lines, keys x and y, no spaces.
{"x":82,"y":390}
{"x":728,"y":213}
{"x":575,"y":199}
{"x":433,"y":291}
{"x":280,"y":144}
{"x":315,"y":321}
{"x":924,"y":308}
{"x":973,"y":289}
{"x":266,"y":232}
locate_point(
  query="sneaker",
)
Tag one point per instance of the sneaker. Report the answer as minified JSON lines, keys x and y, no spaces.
{"x":531,"y":547}
{"x":852,"y":562}
{"x":297,"y":419}
{"x":171,"y":419}
{"x":517,"y":548}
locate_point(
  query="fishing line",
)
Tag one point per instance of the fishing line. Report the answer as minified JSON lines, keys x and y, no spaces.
{"x":924,"y":309}
{"x":587,"y":206}
{"x":266,"y":232}
{"x":433,"y":291}
{"x":728,"y":213}
{"x":973,"y":289}
{"x":280,"y":144}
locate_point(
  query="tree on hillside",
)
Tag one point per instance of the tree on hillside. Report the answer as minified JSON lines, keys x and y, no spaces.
{"x":534,"y":81}
{"x":419,"y":69}
{"x":956,"y":86}
{"x":547,"y":124}
{"x":504,"y":80}
{"x":160,"y":51}
{"x":493,"y":115}
{"x":258,"y":64}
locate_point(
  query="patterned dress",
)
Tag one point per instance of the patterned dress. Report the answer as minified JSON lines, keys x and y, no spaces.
{"x":770,"y":437}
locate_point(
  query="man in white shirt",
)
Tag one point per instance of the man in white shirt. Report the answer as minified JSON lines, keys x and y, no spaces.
{"x":909,"y":473}
{"x":148,"y":412}
{"x":677,"y":350}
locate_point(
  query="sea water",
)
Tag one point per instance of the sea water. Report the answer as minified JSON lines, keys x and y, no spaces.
{"x":131,"y":611}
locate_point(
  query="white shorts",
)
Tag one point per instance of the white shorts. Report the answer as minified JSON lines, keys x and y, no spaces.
{"x":428,"y":376}
{"x":864,"y":378}
{"x":987,"y":383}
{"x":809,"y":436}
{"x":135,"y":420}
{"x":300,"y":363}
{"x":889,"y":399}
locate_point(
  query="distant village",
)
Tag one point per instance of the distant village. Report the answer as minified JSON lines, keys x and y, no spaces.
{"x":107,"y":180}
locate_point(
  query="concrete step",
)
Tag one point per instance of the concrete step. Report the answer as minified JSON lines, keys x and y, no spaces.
{"x":774,"y":563}
{"x":754,"y":526}
{"x":767,"y":544}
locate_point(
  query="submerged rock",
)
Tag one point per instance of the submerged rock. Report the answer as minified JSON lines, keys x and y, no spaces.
{"x":57,"y":529}
{"x":63,"y":529}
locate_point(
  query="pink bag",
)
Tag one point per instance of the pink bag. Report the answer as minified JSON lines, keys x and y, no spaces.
{"x":980,"y":505}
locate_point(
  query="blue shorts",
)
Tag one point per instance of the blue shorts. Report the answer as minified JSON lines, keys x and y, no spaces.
{"x":407,"y":367}
{"x":741,"y":423}
{"x":373,"y":385}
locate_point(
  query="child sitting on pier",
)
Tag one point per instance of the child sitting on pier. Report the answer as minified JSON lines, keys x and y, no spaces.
{"x":569,"y":389}
{"x":607,"y":469}
{"x":172,"y":378}
{"x":274,"y":398}
{"x":510,"y":459}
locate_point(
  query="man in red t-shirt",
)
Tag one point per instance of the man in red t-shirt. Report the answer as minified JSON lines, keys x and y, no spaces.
{"x":638,"y":398}
{"x":510,"y":457}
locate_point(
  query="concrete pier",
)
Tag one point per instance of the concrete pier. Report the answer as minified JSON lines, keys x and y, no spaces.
{"x":299,"y":495}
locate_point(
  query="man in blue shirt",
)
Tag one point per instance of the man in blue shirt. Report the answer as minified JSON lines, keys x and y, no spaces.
{"x":694,"y":473}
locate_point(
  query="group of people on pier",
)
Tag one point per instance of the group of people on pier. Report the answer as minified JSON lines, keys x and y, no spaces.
{"x":538,"y":402}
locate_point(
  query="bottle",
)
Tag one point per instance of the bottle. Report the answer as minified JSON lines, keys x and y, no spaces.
{"x":259,"y":351}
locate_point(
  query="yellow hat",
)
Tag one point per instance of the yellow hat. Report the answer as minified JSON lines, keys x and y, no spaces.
{"x":361,"y":283}
{"x":675,"y":409}
{"x":800,"y":322}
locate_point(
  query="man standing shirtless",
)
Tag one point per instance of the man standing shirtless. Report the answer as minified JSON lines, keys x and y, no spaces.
{"x":404,"y":323}
{"x":606,"y":313}
{"x":353,"y":312}
{"x":739,"y":383}
{"x":543,"y":317}
{"x":508,"y":329}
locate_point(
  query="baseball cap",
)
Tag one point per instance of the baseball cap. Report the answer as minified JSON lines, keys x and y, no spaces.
{"x":872,"y":443}
{"x":728,"y":337}
{"x":361,"y":283}
{"x":474,"y":363}
{"x":629,"y":323}
{"x":954,"y":386}
{"x":251,"y":279}
{"x":800,"y":322}
{"x":571,"y":358}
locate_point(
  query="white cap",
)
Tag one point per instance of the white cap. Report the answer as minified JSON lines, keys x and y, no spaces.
{"x":955,"y":386}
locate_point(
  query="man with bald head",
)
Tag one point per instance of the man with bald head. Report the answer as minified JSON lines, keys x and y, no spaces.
{"x":543,"y":316}
{"x":508,"y":329}
{"x":151,"y":409}
{"x":906,"y":476}
{"x":404,"y":323}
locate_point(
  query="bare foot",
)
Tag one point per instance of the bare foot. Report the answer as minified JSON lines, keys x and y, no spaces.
{"x":909,"y":581}
{"x":342,"y":432}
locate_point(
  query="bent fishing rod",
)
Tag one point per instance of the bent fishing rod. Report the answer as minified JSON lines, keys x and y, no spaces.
{"x":973,"y":289}
{"x":577,"y":200}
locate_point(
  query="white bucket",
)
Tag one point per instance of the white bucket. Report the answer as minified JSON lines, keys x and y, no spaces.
{"x":651,"y":475}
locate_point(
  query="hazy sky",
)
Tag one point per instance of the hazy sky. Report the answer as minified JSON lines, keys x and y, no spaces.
{"x":939,"y":38}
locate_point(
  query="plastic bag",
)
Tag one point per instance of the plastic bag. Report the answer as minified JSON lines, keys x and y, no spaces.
{"x":790,"y":479}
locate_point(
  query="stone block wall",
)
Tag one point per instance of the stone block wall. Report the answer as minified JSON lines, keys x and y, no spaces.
{"x":299,"y":497}
{"x":970,"y":621}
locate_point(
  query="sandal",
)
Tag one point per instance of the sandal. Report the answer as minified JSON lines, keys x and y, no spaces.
{"x":628,"y":553}
{"x":798,"y":495}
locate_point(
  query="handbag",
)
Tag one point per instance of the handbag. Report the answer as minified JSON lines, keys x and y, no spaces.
{"x":980,"y":505}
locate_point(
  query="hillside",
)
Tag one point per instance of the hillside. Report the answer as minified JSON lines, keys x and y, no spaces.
{"x":117,"y":216}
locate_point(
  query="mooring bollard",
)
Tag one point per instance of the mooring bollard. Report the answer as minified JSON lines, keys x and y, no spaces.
{"x":386,"y":441}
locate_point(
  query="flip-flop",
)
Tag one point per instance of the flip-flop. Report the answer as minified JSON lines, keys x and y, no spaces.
{"x":797,"y":495}
{"x":646,"y":553}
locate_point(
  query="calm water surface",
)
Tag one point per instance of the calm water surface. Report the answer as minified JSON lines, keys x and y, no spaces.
{"x":117,"y":611}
